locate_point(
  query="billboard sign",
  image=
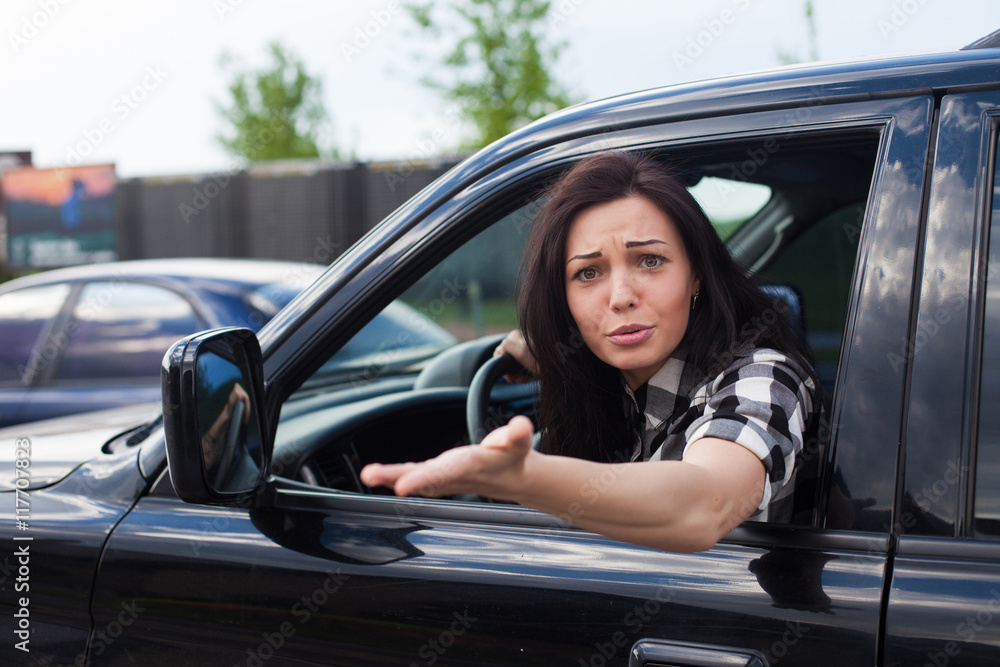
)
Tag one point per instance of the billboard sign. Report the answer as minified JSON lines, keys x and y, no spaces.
{"x":60,"y":217}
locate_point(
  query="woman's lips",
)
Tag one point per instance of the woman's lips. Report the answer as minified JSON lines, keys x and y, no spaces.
{"x":632,"y":334}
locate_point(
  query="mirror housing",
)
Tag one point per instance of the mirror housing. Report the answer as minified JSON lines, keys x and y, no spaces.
{"x":218,"y":441}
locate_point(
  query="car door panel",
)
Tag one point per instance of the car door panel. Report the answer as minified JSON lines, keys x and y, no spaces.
{"x":944,"y":604}
{"x":328,"y":585}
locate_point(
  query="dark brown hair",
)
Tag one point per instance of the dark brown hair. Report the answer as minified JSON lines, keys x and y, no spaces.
{"x":582,"y":411}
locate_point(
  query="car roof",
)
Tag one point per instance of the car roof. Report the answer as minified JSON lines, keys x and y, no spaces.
{"x":790,"y":87}
{"x":245,"y":271}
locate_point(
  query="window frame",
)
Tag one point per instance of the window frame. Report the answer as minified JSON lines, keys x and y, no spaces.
{"x":368,"y":275}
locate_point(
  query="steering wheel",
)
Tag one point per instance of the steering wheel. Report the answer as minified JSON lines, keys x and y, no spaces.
{"x":478,"y":402}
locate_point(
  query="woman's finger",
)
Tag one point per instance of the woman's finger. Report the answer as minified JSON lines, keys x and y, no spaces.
{"x":381,"y":474}
{"x":518,"y":432}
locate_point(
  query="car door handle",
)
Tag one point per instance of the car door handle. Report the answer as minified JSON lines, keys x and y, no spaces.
{"x":660,"y":653}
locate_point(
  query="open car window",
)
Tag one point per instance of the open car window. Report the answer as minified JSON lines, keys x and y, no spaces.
{"x":794,"y":221}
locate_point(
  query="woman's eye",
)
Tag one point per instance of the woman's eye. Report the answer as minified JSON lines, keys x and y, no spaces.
{"x":588,"y":274}
{"x":651,"y":261}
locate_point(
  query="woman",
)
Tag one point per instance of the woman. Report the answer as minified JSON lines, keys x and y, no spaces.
{"x":673,"y":396}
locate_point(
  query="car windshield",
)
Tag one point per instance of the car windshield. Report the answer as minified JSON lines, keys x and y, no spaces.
{"x":396,"y":340}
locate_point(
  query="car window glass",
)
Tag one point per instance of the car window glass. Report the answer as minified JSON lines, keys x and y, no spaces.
{"x":987,"y":496}
{"x":122,"y":330}
{"x":23,"y":316}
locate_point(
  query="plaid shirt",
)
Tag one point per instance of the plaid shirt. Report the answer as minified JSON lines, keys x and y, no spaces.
{"x":763,"y":401}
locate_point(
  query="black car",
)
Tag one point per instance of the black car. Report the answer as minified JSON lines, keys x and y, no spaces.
{"x":866,"y":197}
{"x":92,"y":337}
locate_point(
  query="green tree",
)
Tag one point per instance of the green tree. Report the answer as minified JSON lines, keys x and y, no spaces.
{"x":500,"y":64}
{"x":276,"y":112}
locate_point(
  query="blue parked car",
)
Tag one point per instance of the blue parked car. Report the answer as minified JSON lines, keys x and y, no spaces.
{"x":92,"y":337}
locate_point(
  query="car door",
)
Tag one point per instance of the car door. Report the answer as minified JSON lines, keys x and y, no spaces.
{"x":318,"y":575}
{"x":944,"y":600}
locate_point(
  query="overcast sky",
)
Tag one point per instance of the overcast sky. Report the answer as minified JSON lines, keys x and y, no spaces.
{"x":134,"y":83}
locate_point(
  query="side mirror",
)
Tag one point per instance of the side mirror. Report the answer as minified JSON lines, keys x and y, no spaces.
{"x":218,"y":450}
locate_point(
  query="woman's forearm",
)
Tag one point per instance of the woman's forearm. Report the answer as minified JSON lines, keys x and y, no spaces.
{"x":674,"y":505}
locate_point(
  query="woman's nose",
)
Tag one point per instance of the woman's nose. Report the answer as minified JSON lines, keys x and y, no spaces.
{"x":622,"y":293}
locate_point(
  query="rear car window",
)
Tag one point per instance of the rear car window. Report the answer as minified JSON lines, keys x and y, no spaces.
{"x":24,"y":315}
{"x":123,"y":330}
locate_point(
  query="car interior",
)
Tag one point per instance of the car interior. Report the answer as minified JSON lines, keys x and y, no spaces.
{"x":790,"y":207}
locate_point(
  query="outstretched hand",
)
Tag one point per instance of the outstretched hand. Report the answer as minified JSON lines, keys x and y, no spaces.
{"x":494,"y":468}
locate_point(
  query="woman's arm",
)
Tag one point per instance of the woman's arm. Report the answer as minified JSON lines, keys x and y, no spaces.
{"x":685,"y":505}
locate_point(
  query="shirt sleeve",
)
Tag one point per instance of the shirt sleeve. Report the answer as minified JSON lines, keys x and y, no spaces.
{"x":763,"y":402}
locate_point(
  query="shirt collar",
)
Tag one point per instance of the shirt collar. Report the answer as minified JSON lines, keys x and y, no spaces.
{"x":657,"y":400}
{"x":662,"y":391}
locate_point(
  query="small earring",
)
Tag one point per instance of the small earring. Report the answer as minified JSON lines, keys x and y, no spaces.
{"x":694,"y":299}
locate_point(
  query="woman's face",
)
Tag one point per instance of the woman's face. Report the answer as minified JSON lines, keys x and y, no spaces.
{"x":629,"y":285}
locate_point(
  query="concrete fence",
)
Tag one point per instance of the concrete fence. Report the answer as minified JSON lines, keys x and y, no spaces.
{"x":281,"y":210}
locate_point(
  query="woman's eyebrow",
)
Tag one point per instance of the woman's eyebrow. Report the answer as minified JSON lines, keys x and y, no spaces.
{"x":637,"y":244}
{"x":589,"y":255}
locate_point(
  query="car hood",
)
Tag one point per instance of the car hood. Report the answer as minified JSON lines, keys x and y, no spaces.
{"x":55,"y":447}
